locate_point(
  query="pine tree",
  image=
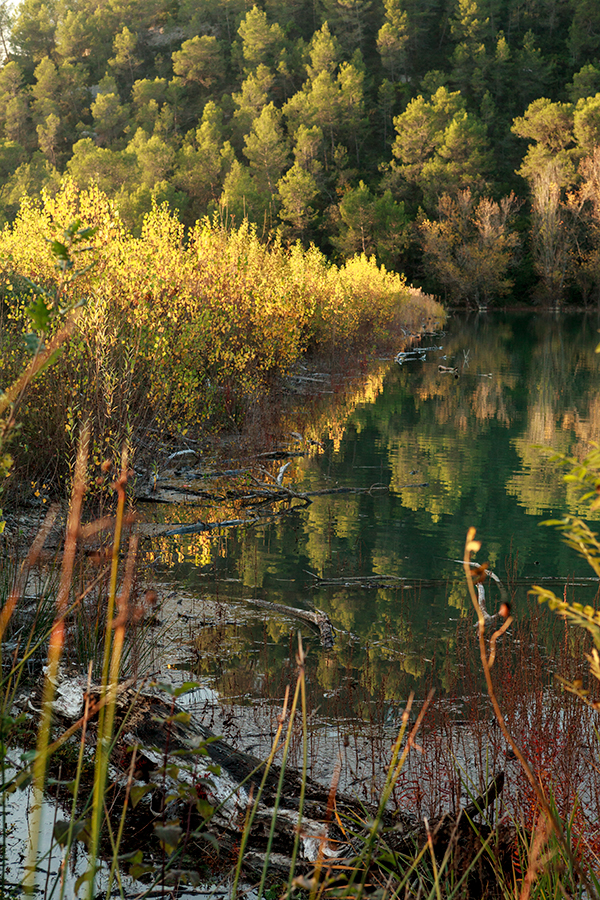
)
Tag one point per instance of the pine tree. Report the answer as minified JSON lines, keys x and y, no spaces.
{"x":251,"y":100}
{"x":266,"y":149}
{"x":155,"y":158}
{"x":350,"y":21}
{"x":111,"y":118}
{"x":46,"y":90}
{"x":33,"y":32}
{"x":586,"y":125}
{"x":261,"y":43}
{"x":204,"y":160}
{"x":200,"y":61}
{"x":298,"y":191}
{"x":14,"y":105}
{"x":109,"y":169}
{"x":351,"y":106}
{"x":126,"y":60}
{"x":148,"y":97}
{"x":584,"y":33}
{"x":470,"y":62}
{"x":325,"y":53}
{"x":50,"y":137}
{"x":242,"y":198}
{"x":6,"y":25}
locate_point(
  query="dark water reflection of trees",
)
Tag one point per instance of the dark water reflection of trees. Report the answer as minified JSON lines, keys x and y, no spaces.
{"x":474,"y":441}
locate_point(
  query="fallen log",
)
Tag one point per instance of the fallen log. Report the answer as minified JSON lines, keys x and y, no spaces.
{"x":363,"y":581}
{"x":318,"y":618}
{"x":334,"y":827}
{"x":183,"y":773}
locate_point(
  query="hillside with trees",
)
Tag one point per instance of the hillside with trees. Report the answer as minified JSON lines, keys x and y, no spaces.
{"x":458,"y":141}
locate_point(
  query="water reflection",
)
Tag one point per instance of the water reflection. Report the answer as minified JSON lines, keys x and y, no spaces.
{"x":454,"y":451}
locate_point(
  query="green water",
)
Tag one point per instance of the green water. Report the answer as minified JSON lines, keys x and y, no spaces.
{"x":454,"y":450}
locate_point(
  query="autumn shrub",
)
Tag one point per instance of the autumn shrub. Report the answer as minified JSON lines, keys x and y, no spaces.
{"x":179,"y":330}
{"x":471,"y":246}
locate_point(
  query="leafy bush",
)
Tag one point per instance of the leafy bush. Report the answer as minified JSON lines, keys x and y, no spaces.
{"x":179,"y":331}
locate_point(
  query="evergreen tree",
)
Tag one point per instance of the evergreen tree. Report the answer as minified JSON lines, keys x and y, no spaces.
{"x":6,"y":25}
{"x":147,"y":98}
{"x":14,"y":104}
{"x":294,"y":16}
{"x":298,"y":190}
{"x":33,"y":32}
{"x":424,"y":26}
{"x":350,"y":21}
{"x":266,"y":149}
{"x":204,"y":160}
{"x":109,"y":169}
{"x":251,"y":100}
{"x":111,"y":118}
{"x":200,"y":61}
{"x":439,"y":148}
{"x":550,"y":125}
{"x":30,"y":179}
{"x":242,"y":198}
{"x":532,"y":72}
{"x":586,"y":125}
{"x":371,"y":225}
{"x":155,"y":158}
{"x":261,"y":43}
{"x":584,"y":33}
{"x":585,"y":83}
{"x":74,"y":96}
{"x":470,"y":62}
{"x":126,"y":60}
{"x":325,"y":53}
{"x":219,"y":17}
{"x":46,"y":90}
{"x":351,"y":106}
{"x":50,"y":137}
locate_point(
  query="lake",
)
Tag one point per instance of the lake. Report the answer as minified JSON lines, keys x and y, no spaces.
{"x":442,"y":450}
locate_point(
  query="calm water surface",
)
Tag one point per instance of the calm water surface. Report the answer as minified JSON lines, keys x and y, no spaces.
{"x":454,"y":450}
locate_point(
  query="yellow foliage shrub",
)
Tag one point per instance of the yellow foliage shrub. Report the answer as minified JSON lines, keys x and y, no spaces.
{"x":178,"y":329}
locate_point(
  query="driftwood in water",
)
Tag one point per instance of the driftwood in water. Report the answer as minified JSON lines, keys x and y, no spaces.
{"x":363,"y":581}
{"x":261,"y":495}
{"x":184,"y":773}
{"x":333,"y":827}
{"x":165,"y":737}
{"x":316,"y":618}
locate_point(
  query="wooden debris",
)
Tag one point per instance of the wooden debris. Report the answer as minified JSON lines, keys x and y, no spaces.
{"x":318,"y":618}
{"x":364,"y":581}
{"x":177,"y":756}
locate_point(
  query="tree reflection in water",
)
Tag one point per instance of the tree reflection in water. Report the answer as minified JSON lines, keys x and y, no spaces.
{"x":474,"y":441}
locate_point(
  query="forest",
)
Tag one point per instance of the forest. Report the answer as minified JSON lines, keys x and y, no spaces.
{"x":457,"y":141}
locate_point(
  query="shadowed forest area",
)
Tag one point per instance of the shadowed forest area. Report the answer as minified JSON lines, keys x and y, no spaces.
{"x":456,"y":140}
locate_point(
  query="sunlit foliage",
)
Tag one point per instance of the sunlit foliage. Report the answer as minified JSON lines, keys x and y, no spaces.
{"x":180,"y":331}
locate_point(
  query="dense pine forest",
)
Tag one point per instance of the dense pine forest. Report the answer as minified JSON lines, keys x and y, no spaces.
{"x":458,"y":141}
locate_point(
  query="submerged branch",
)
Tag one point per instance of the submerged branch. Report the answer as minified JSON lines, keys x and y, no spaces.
{"x":318,"y":618}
